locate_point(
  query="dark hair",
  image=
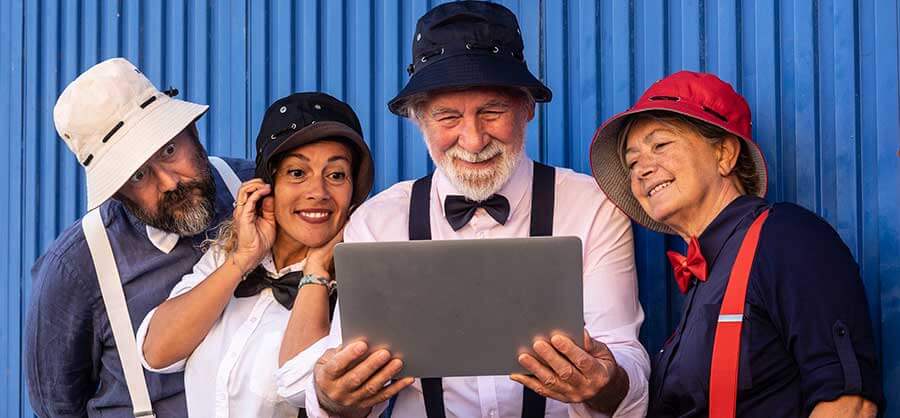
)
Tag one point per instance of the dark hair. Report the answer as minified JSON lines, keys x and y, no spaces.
{"x":744,"y":169}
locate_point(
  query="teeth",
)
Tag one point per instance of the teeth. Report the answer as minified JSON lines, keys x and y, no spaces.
{"x":316,"y":215}
{"x":658,"y":187}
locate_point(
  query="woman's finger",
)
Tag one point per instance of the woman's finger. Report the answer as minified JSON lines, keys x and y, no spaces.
{"x":246,"y":189}
{"x":249,"y":207}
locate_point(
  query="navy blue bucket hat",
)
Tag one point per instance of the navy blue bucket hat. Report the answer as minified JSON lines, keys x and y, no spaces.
{"x":468,"y":44}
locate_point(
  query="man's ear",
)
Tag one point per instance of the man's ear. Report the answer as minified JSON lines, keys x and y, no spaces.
{"x":728,"y":152}
{"x":530,"y":110}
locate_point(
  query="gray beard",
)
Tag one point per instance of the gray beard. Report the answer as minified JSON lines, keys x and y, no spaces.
{"x":193,"y":219}
{"x":479,"y":185}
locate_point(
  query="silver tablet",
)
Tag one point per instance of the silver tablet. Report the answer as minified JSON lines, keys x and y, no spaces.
{"x":460,"y":307}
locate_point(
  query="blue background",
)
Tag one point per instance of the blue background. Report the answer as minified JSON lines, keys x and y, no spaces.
{"x":821,"y":77}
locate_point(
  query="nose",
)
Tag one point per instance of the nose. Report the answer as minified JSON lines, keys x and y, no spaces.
{"x":167,"y":180}
{"x":472,"y":137}
{"x":316,"y":189}
{"x":644,"y":167}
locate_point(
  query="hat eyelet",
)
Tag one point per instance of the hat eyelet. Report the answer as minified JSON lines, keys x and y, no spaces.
{"x":312,"y":123}
{"x":468,"y":46}
{"x":272,"y":136}
{"x":442,"y":51}
{"x":496,"y":49}
{"x":293,"y":126}
{"x":424,"y":59}
{"x":418,"y":37}
{"x":283,"y":109}
{"x":317,"y":106}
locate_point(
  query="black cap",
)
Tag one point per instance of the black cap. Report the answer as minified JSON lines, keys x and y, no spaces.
{"x":468,"y":44}
{"x":304,"y":118}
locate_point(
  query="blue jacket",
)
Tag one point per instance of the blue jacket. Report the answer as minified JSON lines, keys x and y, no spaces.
{"x":71,"y":362}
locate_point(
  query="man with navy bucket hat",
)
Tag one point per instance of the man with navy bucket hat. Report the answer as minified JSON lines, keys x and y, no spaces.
{"x":471,"y":95}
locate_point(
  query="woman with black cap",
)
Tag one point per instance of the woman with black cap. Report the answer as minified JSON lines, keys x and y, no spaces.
{"x":775,"y":320}
{"x":263,"y":292}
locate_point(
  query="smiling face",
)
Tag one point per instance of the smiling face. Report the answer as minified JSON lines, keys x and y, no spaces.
{"x":312,"y":192}
{"x":476,"y":136}
{"x":677,"y":175}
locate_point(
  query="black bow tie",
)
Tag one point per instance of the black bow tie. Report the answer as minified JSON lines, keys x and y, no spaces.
{"x":460,"y":210}
{"x":284,"y":288}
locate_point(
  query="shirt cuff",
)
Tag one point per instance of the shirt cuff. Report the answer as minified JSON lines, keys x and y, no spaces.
{"x":636,"y":400}
{"x":305,"y":393}
{"x":295,"y":377}
{"x":139,"y":339}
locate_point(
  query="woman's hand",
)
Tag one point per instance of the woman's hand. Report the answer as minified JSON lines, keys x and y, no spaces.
{"x":320,"y":260}
{"x":254,"y":227}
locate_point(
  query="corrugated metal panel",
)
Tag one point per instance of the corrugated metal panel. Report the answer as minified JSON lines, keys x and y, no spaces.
{"x":821,"y":78}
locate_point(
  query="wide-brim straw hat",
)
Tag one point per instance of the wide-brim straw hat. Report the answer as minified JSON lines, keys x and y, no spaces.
{"x":114,"y":119}
{"x":700,"y":96}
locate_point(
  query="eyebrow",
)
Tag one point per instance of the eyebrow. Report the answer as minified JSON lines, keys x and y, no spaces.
{"x":646,"y":138}
{"x":330,"y":160}
{"x":493,"y":103}
{"x":443,"y":110}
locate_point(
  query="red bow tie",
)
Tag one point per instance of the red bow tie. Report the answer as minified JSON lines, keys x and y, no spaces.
{"x":694,"y":265}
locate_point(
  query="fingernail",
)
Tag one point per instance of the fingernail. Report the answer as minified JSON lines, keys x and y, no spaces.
{"x":557,"y":340}
{"x":360,"y":348}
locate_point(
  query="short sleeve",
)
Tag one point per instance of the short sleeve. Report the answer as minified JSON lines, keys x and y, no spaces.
{"x":813,"y":290}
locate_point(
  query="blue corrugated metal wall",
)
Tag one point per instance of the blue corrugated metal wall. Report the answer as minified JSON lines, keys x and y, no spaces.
{"x":821,"y":77}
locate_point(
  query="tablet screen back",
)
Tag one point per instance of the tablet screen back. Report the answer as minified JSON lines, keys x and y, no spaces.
{"x":460,"y":307}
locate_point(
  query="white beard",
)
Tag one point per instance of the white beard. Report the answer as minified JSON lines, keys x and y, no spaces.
{"x":479,"y":184}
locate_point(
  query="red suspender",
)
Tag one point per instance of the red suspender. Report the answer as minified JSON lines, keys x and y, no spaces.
{"x":723,"y":375}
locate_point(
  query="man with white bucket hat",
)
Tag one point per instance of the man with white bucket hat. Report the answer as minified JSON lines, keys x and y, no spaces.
{"x":152,"y":197}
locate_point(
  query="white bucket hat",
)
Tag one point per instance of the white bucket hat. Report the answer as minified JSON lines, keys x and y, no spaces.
{"x":114,"y":120}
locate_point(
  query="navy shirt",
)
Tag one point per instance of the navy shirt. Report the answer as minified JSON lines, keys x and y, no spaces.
{"x":806,"y":335}
{"x":71,"y":362}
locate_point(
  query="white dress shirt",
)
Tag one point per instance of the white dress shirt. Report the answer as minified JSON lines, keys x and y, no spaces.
{"x":234,"y":371}
{"x":612,"y":312}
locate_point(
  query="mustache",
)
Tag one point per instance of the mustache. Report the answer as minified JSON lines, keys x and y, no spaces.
{"x":492,"y":150}
{"x":182,"y":193}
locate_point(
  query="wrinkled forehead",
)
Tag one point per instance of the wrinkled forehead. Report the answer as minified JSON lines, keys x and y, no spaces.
{"x":472,"y":97}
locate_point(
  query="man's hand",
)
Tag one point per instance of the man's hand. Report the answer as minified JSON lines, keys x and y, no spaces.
{"x":349,"y":384}
{"x":566,"y":372}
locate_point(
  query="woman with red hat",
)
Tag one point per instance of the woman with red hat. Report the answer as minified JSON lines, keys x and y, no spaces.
{"x":775,"y":320}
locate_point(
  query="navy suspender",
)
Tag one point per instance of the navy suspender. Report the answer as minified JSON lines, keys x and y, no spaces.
{"x":542,"y":201}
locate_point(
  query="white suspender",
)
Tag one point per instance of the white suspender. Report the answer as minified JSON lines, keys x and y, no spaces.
{"x":231,"y":180}
{"x":119,"y":319}
{"x":114,"y":297}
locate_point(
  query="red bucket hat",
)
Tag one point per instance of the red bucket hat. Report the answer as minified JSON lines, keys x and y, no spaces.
{"x":700,"y":96}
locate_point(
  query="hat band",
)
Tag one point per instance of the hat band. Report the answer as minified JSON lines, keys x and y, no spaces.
{"x":171,"y":92}
{"x":469,"y":48}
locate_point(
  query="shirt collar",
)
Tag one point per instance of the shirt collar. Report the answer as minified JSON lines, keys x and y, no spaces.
{"x":514,"y":190}
{"x":740,"y":211}
{"x":163,"y":240}
{"x":268,"y":263}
